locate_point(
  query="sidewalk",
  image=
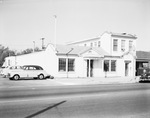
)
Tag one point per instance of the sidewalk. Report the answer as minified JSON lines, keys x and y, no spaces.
{"x":100,"y":80}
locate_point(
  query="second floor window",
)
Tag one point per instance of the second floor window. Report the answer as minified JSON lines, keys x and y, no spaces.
{"x":115,"y":45}
{"x":130,"y":45}
{"x":123,"y":45}
{"x":99,"y":44}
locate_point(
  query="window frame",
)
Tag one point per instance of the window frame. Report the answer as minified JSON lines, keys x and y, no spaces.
{"x":115,"y":44}
{"x":123,"y":45}
{"x":68,"y":66}
{"x":99,"y":43}
{"x":71,"y":66}
{"x":109,"y":64}
{"x":113,"y":69}
{"x":63,"y":68}
{"x":130,"y":45}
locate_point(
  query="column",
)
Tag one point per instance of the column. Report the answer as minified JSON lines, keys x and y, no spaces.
{"x":89,"y":68}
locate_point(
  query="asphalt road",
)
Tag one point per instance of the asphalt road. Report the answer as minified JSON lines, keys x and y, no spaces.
{"x":91,"y":101}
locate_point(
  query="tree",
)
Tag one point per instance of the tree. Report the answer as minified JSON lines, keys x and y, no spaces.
{"x":28,"y":50}
{"x":5,"y":52}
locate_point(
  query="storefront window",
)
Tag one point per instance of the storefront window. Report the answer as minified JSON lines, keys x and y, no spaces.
{"x":110,"y":65}
{"x":113,"y":65}
{"x":70,"y":64}
{"x":62,"y":64}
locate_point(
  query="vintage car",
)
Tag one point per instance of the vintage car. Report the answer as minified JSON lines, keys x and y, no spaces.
{"x":145,"y":76}
{"x":29,"y":71}
{"x":5,"y":70}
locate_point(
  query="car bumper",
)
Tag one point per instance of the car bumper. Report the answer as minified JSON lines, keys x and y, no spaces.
{"x":49,"y":77}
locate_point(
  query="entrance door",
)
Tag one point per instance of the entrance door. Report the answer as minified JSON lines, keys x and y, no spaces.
{"x":126,"y":69}
{"x":90,"y":68}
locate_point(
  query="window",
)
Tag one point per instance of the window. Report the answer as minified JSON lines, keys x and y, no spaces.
{"x":115,"y":44}
{"x":130,"y":45}
{"x":85,"y":44}
{"x":106,"y":65}
{"x":95,"y":44}
{"x":110,"y":65}
{"x":70,"y":64}
{"x":113,"y":65}
{"x":123,"y":45}
{"x":99,"y":44}
{"x":91,"y":44}
{"x":62,"y":64}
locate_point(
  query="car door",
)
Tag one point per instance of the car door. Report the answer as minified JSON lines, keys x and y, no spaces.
{"x":25,"y":72}
{"x":32,"y":72}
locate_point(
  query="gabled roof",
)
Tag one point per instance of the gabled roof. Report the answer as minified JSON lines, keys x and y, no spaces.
{"x":143,"y":55}
{"x":123,"y":35}
{"x":77,"y":50}
{"x":82,"y":41}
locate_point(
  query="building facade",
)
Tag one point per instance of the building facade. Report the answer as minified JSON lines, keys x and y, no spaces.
{"x":121,"y":49}
{"x":109,"y":55}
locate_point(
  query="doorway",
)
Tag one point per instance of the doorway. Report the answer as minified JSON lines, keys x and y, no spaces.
{"x":90,"y":68}
{"x":126,"y":69}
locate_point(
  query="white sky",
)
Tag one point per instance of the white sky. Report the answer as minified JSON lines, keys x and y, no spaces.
{"x":25,"y":21}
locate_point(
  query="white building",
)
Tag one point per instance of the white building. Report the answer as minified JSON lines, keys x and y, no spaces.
{"x":111,"y":52}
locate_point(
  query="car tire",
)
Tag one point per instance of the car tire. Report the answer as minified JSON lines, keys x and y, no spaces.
{"x":41,"y":76}
{"x":16,"y":77}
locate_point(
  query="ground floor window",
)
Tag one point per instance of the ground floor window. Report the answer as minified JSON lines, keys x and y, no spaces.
{"x":66,"y":64}
{"x":62,"y":64}
{"x":113,"y":65}
{"x":70,"y":64}
{"x":110,"y":65}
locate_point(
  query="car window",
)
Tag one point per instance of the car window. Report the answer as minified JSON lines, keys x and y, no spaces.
{"x":32,"y":68}
{"x":25,"y":68}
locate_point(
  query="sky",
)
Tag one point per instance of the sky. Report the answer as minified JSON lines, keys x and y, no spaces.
{"x":23,"y":22}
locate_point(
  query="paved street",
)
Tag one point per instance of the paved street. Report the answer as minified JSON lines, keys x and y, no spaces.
{"x":87,"y":101}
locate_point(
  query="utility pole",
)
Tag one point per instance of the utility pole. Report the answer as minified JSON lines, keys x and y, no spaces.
{"x":55,"y":30}
{"x":68,"y":61}
{"x":42,"y":43}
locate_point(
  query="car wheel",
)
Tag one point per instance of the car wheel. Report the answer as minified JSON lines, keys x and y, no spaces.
{"x":41,"y":76}
{"x":16,"y":77}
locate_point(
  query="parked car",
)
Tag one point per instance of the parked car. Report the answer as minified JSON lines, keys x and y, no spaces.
{"x":5,"y":70}
{"x":145,"y":76}
{"x":29,"y":71}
